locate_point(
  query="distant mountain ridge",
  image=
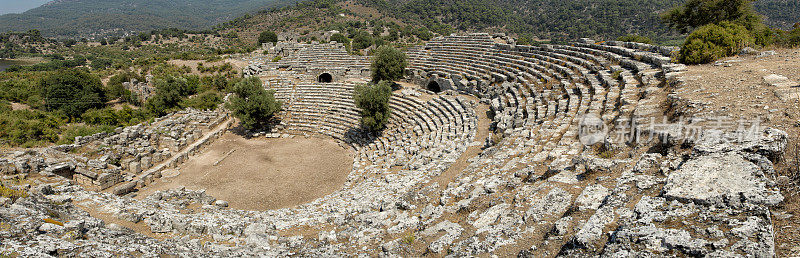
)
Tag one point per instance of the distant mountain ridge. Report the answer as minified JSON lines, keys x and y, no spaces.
{"x":82,"y":18}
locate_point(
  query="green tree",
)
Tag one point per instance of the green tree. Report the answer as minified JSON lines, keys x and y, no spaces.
{"x":696,"y":13}
{"x":388,"y":64}
{"x":252,"y":104}
{"x":72,"y":92}
{"x":373,"y":100}
{"x":362,"y":40}
{"x":266,"y":37}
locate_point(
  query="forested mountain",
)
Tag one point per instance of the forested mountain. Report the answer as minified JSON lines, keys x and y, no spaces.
{"x":530,"y":19}
{"x":561,"y":19}
{"x":779,"y":13}
{"x":81,"y":18}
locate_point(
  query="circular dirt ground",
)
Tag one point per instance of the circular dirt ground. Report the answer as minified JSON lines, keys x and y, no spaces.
{"x":262,"y":174}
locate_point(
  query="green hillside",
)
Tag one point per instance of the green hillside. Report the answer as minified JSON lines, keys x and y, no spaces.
{"x":561,"y":19}
{"x":84,"y":18}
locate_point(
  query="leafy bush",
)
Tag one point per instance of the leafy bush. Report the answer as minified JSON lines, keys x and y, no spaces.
{"x":252,"y":104}
{"x":115,"y":90}
{"x":72,"y":92}
{"x":216,"y":82}
{"x":5,"y":106}
{"x":338,"y":37}
{"x":789,"y":38}
{"x":362,"y":40}
{"x":388,"y":64}
{"x":373,"y":100}
{"x":21,"y":89}
{"x":267,"y":36}
{"x":422,"y":33}
{"x":794,"y":37}
{"x":711,"y":42}
{"x":28,"y":128}
{"x":101,"y":63}
{"x":208,"y":100}
{"x":53,"y":65}
{"x":113,"y":117}
{"x":170,"y":90}
{"x":635,"y":38}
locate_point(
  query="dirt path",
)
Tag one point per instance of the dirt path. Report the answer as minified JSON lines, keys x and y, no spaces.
{"x":261,"y":174}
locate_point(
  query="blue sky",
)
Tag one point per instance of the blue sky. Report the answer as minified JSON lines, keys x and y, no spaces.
{"x":18,"y":6}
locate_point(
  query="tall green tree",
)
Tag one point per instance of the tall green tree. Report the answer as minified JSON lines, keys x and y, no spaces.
{"x":388,"y":64}
{"x":696,"y":13}
{"x":253,"y":105}
{"x":72,"y":92}
{"x":267,"y":37}
{"x":373,"y":100}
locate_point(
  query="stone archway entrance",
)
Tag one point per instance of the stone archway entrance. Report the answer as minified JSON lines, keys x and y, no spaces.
{"x":325,"y":78}
{"x":434,"y":86}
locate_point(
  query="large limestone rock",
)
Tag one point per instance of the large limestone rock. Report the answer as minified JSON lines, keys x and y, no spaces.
{"x":769,"y":142}
{"x":784,"y":88}
{"x":720,"y":179}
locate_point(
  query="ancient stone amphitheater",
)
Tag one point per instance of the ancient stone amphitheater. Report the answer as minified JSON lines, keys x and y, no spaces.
{"x":483,"y":156}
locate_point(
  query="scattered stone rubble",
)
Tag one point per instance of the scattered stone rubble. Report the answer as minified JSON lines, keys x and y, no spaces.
{"x":537,"y":192}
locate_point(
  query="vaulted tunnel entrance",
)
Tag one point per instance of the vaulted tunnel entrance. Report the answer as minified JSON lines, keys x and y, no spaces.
{"x":434,"y":86}
{"x":325,"y":78}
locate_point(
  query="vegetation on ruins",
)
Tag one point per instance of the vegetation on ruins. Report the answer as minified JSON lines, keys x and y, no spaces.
{"x":267,"y":37}
{"x":373,"y":101}
{"x":388,"y":64}
{"x":253,"y":105}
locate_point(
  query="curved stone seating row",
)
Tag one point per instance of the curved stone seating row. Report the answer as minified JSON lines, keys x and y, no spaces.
{"x":310,"y":58}
{"x":540,"y":92}
{"x":419,"y":127}
{"x":414,"y":127}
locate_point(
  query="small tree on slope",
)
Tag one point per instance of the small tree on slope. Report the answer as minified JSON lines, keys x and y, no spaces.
{"x":373,"y":100}
{"x":253,"y":105}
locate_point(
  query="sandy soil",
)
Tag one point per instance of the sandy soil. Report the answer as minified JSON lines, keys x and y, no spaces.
{"x":237,"y":64}
{"x":737,"y":89}
{"x":262,"y":174}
